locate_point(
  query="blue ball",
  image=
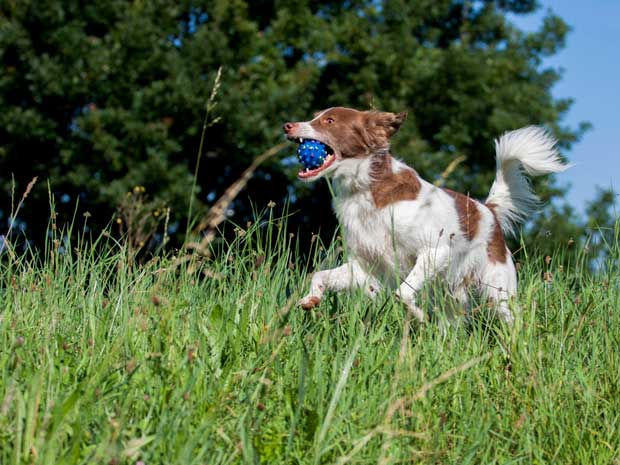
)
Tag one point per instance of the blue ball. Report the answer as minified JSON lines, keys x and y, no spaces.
{"x":311,"y":153}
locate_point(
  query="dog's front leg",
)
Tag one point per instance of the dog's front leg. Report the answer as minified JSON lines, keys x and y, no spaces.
{"x":426,"y":267}
{"x":348,"y":276}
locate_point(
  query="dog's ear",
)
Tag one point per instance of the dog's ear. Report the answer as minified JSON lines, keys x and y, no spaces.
{"x":390,"y":122}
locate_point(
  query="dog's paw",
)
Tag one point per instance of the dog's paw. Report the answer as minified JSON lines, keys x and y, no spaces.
{"x":372,"y":291}
{"x":309,"y":302}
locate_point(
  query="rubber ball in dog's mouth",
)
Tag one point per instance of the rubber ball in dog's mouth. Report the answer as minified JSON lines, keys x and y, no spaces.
{"x":312,"y":153}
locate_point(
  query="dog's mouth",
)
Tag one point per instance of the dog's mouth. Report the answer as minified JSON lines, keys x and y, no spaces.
{"x":314,"y":155}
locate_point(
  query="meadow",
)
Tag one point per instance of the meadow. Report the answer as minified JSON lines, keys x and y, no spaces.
{"x":208,"y":361}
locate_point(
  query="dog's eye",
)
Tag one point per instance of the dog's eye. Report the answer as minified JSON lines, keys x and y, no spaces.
{"x":329,"y":120}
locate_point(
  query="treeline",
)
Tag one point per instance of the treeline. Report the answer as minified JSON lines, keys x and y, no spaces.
{"x":105,"y":103}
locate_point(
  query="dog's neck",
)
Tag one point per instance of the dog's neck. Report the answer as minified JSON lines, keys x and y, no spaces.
{"x":379,"y":179}
{"x":357,"y":175}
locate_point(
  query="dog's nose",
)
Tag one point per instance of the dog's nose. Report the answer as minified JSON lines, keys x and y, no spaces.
{"x":288,"y":127}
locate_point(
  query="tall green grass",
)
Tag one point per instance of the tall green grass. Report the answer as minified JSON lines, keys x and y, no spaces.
{"x":106,"y":361}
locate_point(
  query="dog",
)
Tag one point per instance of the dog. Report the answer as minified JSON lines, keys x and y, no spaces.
{"x":401,"y":231}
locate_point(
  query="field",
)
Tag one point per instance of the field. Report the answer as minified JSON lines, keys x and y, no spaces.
{"x":209,"y":362}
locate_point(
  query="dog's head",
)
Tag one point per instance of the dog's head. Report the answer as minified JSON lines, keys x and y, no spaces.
{"x":348,"y":134}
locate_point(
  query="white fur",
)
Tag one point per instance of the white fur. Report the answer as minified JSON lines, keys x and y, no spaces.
{"x":407,"y":243}
{"x":530,"y":149}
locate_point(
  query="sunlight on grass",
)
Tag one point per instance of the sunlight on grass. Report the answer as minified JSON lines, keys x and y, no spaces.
{"x":107,"y":361}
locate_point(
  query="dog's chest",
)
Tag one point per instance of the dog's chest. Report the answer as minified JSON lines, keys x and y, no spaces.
{"x":372,"y":236}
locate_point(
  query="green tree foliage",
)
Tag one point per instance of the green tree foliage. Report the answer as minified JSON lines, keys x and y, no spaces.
{"x":98,"y":97}
{"x":595,"y":234}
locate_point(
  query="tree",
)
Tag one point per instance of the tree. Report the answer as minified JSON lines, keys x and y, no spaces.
{"x":103,"y":97}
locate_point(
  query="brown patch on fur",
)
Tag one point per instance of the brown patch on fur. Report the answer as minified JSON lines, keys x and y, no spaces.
{"x":496,"y":248}
{"x":388,"y":187}
{"x":356,"y":133}
{"x":469,"y":214}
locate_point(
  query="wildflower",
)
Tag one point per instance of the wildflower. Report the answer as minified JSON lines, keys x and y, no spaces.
{"x":259,"y":261}
{"x":131,"y":365}
{"x":271,"y":204}
{"x":191,"y":354}
{"x":119,"y":221}
{"x":520,"y":421}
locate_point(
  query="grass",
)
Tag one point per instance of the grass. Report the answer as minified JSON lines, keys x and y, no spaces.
{"x":104,"y":361}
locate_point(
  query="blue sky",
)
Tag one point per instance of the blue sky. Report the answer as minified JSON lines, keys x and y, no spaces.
{"x":591,"y":75}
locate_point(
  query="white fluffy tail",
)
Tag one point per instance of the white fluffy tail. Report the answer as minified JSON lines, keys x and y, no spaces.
{"x":531,"y":150}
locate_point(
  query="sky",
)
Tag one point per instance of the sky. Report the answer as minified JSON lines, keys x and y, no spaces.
{"x":591,"y":76}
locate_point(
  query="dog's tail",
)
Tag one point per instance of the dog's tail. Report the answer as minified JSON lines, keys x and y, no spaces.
{"x":530,"y":150}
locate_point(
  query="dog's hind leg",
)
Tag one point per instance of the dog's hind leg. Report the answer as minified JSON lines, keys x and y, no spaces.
{"x":427,"y":266}
{"x":499,"y":284}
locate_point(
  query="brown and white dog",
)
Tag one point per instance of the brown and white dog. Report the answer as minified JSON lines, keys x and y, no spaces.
{"x":400,"y":230}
